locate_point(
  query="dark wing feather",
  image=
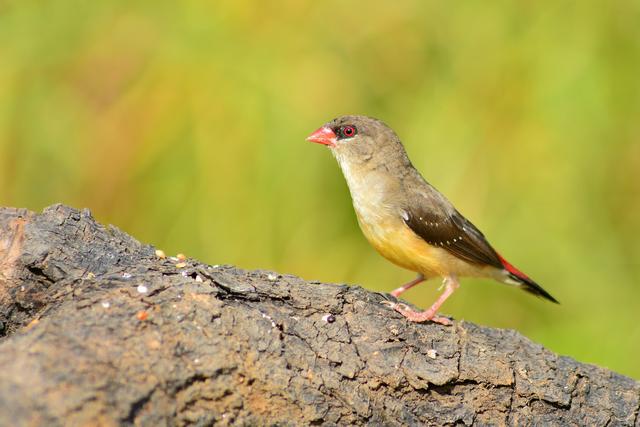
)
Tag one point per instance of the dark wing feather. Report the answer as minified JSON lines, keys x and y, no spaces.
{"x":453,"y":232}
{"x":432,"y":217}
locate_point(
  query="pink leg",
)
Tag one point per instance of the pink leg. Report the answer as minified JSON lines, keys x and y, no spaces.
{"x":397,"y":292}
{"x":451,"y":284}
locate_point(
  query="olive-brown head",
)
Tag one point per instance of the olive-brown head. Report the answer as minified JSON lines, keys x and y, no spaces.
{"x":356,"y":140}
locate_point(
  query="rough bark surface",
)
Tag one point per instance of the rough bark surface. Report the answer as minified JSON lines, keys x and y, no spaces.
{"x":97,"y":330}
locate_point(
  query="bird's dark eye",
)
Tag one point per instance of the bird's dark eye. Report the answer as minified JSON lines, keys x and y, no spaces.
{"x":348,"y":131}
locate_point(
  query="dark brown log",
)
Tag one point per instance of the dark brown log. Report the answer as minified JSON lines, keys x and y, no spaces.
{"x":97,"y":330}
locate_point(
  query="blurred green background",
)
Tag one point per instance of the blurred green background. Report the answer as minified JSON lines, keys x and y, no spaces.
{"x":183,"y":123}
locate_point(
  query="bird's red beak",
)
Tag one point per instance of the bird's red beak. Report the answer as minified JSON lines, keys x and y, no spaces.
{"x":324,"y":135}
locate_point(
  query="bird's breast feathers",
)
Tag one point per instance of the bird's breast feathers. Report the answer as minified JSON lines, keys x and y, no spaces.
{"x":381,"y":221}
{"x":395,"y":241}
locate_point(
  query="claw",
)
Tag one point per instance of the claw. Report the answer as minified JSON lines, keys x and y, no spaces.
{"x":442,"y":320}
{"x":397,"y":306}
{"x":389,"y":304}
{"x":415,"y":316}
{"x":400,"y":307}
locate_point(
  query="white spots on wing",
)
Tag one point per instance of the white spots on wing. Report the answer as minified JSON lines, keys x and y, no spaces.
{"x":448,"y":242}
{"x":430,"y":224}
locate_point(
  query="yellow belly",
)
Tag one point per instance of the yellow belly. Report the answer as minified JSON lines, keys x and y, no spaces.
{"x":395,"y":241}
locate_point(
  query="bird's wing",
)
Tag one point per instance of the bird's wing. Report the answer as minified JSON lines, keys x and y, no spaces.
{"x":445,"y":227}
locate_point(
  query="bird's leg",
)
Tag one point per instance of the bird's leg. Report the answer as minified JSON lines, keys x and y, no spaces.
{"x":397,"y":292}
{"x":451,"y":284}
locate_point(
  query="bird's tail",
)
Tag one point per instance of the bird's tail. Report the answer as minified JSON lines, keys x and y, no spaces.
{"x":518,"y":278}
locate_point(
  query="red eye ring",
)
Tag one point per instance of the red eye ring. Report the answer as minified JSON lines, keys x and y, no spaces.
{"x":348,"y":131}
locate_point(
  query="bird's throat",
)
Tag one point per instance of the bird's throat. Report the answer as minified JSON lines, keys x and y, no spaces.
{"x":370,"y":189}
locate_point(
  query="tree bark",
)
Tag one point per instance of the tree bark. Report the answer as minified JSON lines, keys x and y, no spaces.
{"x":98,"y":330}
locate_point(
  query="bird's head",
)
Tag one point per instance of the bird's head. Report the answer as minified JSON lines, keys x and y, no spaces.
{"x":359,"y":139}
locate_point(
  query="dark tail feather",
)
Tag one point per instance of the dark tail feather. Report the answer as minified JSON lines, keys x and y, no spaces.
{"x":532,"y":287}
{"x":527,"y":284}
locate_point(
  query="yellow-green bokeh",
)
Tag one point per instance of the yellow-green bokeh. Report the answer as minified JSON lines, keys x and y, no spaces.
{"x":183,"y":123}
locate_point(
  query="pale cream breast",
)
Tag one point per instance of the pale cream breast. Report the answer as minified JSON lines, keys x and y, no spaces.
{"x":369,"y":189}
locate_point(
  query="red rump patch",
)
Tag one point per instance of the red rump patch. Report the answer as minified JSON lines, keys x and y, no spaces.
{"x":511,"y":269}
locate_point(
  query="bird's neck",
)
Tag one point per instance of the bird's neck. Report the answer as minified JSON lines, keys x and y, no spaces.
{"x":372,"y":188}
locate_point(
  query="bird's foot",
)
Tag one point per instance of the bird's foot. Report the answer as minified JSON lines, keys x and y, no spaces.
{"x":417,"y":316}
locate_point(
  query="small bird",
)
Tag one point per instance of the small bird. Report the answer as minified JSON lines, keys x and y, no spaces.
{"x":408,"y":221}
